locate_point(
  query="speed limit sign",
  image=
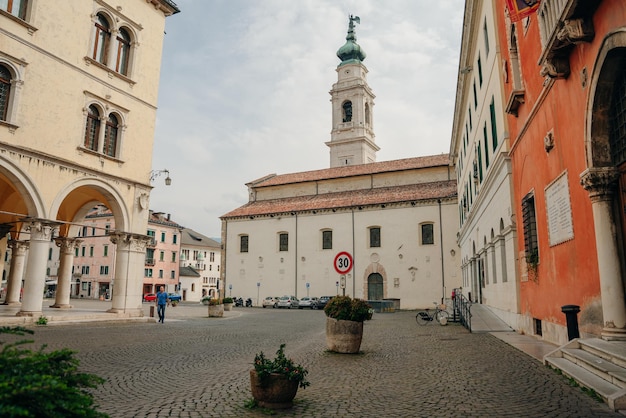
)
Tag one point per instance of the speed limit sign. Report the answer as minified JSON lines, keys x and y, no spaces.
{"x":343,"y":262}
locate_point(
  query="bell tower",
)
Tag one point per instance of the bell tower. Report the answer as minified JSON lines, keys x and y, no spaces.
{"x":352,"y":136}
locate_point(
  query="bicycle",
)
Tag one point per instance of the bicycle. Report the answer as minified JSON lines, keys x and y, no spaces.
{"x":429,"y":315}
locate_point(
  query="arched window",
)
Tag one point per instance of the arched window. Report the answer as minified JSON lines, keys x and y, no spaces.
{"x":101,"y":40}
{"x":110,"y":136}
{"x":123,"y":52}
{"x":347,"y":111}
{"x":5,"y":91}
{"x":92,"y":128}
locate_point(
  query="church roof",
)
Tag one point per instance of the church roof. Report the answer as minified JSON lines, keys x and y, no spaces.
{"x":347,"y":199}
{"x":353,"y":170}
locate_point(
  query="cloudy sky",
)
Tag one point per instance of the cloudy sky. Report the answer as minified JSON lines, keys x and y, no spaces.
{"x":244,"y":92}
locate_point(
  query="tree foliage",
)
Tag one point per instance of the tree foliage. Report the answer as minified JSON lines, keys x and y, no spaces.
{"x":43,"y":384}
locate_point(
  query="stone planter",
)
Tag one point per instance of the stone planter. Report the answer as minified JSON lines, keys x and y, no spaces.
{"x":216,"y":311}
{"x":228,"y":306}
{"x":276,"y":392}
{"x":343,"y":336}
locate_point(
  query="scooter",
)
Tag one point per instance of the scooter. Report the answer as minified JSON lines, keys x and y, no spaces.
{"x":248,"y":303}
{"x":238,"y":302}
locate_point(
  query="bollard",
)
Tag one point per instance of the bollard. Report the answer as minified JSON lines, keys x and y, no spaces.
{"x":152,"y":311}
{"x":571,"y":316}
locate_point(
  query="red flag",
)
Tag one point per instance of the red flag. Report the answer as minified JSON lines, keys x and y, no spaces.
{"x":519,"y":9}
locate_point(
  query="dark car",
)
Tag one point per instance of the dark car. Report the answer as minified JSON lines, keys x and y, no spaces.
{"x":322,"y":301}
{"x":174,"y":297}
{"x":149,"y":297}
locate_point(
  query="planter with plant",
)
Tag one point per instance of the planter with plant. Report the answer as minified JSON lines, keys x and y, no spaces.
{"x":228,"y":303}
{"x":205,"y":300}
{"x":274,"y":383}
{"x":216,"y":308}
{"x":344,"y":323}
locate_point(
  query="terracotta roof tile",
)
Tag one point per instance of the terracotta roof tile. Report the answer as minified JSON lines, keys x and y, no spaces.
{"x":352,"y":170}
{"x":386,"y":195}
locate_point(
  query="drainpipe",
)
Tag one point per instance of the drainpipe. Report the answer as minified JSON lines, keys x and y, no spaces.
{"x":353,"y":259}
{"x":296,"y":255}
{"x":443,"y":277}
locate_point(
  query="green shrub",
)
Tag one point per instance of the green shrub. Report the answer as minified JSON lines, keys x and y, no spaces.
{"x":346,"y":308}
{"x":228,"y":300}
{"x":40,"y":384}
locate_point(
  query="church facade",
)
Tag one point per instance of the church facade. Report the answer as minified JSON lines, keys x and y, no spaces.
{"x":394,"y":221}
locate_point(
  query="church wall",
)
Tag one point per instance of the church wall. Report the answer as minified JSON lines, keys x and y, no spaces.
{"x":289,"y":190}
{"x":412,"y":272}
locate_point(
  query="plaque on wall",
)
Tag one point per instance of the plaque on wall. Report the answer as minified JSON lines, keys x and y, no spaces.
{"x":559,"y":211}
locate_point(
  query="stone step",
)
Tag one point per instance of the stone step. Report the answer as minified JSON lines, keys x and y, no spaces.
{"x":602,"y":367}
{"x":613,"y":351}
{"x":613,"y":395}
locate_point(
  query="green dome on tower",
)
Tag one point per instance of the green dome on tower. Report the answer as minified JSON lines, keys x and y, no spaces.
{"x":351,"y":51}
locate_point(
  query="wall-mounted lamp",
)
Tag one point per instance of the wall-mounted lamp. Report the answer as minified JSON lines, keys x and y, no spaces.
{"x":465,"y":70}
{"x":156,"y":173}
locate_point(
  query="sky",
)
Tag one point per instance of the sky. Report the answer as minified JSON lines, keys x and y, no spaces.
{"x":244,"y":92}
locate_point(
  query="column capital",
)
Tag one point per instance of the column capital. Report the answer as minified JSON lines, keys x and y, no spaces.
{"x":18,"y":247}
{"x":130,"y":241}
{"x":67,"y":244}
{"x":40,"y":229}
{"x":600,"y":182}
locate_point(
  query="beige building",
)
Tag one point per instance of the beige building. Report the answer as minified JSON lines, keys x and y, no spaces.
{"x":479,"y":150}
{"x":200,"y":258}
{"x":78,"y":95}
{"x":372,"y":230}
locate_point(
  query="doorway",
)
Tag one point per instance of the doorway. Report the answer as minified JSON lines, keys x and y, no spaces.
{"x":375,"y":287}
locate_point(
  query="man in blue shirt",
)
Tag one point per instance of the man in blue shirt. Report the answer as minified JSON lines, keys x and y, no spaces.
{"x":161,"y":301}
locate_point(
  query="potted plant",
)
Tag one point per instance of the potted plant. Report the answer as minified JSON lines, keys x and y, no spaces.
{"x":228,"y":303}
{"x":216,"y":308}
{"x":205,"y":300}
{"x":344,"y":323}
{"x":274,"y":383}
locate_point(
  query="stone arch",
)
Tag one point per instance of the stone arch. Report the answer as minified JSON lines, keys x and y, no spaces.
{"x":19,"y":197}
{"x":374,"y":268}
{"x":609,"y":65}
{"x":75,"y":200}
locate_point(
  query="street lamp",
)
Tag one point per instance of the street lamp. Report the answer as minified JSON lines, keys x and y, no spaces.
{"x":156,"y":173}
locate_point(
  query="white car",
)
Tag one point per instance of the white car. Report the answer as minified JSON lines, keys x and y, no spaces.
{"x":270,"y":301}
{"x":287,"y":302}
{"x":307,"y":302}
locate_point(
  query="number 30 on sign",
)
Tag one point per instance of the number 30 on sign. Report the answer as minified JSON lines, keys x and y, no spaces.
{"x":343,"y":262}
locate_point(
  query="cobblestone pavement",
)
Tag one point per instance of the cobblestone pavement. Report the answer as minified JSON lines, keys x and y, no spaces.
{"x":194,"y":366}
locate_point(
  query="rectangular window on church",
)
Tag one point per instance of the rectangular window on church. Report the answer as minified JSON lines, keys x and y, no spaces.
{"x":375,"y":237}
{"x":243,"y":244}
{"x":283,"y":242}
{"x":428,"y":236}
{"x":327,"y":240}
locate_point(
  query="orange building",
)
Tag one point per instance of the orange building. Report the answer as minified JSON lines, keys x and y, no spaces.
{"x":565,"y":89}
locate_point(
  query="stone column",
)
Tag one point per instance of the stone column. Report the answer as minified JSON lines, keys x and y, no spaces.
{"x":66,"y":261}
{"x":130,"y":261}
{"x":14,"y":283}
{"x":35,"y":280}
{"x":601,"y":184}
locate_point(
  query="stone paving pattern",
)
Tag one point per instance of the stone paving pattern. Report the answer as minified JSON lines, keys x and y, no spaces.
{"x":195,"y":366}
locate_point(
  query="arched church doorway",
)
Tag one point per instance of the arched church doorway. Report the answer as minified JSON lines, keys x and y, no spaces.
{"x":375,"y":289}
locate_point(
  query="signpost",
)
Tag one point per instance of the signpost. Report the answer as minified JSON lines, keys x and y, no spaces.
{"x":343,"y":264}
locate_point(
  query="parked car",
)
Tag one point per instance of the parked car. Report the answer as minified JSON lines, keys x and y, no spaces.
{"x":270,"y":301}
{"x":322,"y":301}
{"x":287,"y":302}
{"x":149,"y":297}
{"x":174,"y":297}
{"x":308,"y":302}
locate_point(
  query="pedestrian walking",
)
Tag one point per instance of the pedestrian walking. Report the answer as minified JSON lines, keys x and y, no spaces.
{"x":161,"y":301}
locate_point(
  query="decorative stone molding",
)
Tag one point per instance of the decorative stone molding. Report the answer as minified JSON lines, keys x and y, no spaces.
{"x":130,"y":241}
{"x":548,"y":141}
{"x":575,"y":31}
{"x":67,"y":245}
{"x":600,"y":182}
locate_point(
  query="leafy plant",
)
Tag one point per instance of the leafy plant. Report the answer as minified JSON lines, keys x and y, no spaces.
{"x":214,"y":302}
{"x":280,"y":365}
{"x":40,"y":384}
{"x":346,"y":308}
{"x":228,"y":300}
{"x":42,"y":320}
